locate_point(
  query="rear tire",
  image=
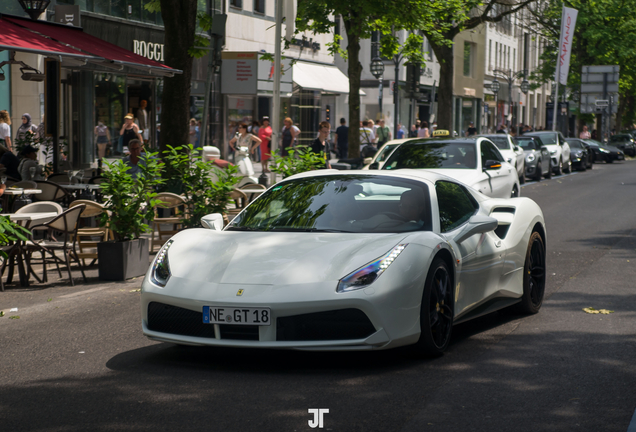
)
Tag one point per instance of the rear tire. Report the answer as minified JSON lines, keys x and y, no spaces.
{"x":522,"y":177}
{"x":533,"y":276}
{"x":436,"y":311}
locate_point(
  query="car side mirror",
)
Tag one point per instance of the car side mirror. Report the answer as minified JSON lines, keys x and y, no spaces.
{"x":491,"y":164}
{"x":477,"y":224}
{"x":367,"y":161}
{"x":213,"y":221}
{"x":374,"y":166}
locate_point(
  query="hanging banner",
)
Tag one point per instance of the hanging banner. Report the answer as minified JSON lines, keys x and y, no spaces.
{"x":568,"y":21}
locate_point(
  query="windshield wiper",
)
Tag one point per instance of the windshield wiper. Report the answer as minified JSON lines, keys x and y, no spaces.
{"x":291,"y":229}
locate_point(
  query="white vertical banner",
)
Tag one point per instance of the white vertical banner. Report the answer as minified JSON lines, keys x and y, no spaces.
{"x":568,"y":22}
{"x":290,"y":19}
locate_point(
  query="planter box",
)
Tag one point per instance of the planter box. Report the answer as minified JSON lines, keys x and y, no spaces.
{"x":123,"y":260}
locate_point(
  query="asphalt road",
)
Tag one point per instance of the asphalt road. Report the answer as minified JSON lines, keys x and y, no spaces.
{"x":76,"y":360}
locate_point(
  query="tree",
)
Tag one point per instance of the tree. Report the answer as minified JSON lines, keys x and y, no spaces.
{"x":360,"y":18}
{"x":603,"y":36}
{"x":180,"y":22}
{"x":450,"y":19}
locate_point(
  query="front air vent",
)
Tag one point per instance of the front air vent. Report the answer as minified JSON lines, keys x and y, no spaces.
{"x":504,"y":210}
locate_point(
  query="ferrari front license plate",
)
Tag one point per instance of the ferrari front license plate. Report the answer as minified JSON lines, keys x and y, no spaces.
{"x":239,"y":316}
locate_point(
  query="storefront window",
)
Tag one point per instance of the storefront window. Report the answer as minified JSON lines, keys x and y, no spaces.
{"x":110,"y":100}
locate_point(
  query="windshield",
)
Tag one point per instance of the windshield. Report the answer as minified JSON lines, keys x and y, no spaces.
{"x":549,"y":138}
{"x":593,"y":142}
{"x":385,"y":152}
{"x":460,"y":155}
{"x":620,"y":138}
{"x":500,"y":141}
{"x":575,"y":144}
{"x":527,"y":143}
{"x":343,"y":203}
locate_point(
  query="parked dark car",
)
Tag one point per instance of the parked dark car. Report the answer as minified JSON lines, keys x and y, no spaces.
{"x":581,"y":154}
{"x":537,"y":157}
{"x":604,"y":152}
{"x":624,"y":142}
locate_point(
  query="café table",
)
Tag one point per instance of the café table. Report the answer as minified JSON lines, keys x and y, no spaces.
{"x":8,"y":192}
{"x":82,"y":190}
{"x":26,"y":220}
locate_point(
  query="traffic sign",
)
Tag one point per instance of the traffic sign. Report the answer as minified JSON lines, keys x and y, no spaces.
{"x":598,"y":88}
{"x":610,"y":69}
{"x":602,"y":103}
{"x":598,"y":78}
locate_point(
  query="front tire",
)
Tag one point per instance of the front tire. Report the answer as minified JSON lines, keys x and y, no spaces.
{"x":568,"y":167}
{"x":515,"y":192}
{"x":436,"y":311}
{"x":538,"y":174}
{"x":522,"y":177}
{"x":533,"y":276}
{"x":559,"y":170}
{"x":548,"y":175}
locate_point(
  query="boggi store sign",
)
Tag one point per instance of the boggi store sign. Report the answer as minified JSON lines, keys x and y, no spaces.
{"x":152,"y":51}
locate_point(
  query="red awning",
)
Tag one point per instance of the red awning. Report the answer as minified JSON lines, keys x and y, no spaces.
{"x":78,"y":39}
{"x":16,"y":38}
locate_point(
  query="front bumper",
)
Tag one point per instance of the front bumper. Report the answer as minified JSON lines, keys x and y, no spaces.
{"x":305,"y":317}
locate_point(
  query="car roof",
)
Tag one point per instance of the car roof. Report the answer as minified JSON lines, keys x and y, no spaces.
{"x":541,"y":133}
{"x":424,"y":175}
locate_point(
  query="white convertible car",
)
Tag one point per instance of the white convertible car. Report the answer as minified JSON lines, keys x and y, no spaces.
{"x":335,"y":260}
{"x":474,"y":161}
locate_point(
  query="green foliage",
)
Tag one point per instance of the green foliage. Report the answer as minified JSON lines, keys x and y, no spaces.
{"x":299,"y":159}
{"x":11,"y":232}
{"x":206,"y":188}
{"x":131,"y":201}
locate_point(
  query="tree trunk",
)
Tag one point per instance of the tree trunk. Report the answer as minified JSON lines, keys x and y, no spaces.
{"x":444,"y":115}
{"x":179,"y":18}
{"x":355,"y":72}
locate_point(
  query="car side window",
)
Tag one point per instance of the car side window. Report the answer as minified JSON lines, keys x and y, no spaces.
{"x":455,"y":203}
{"x":489,"y":152}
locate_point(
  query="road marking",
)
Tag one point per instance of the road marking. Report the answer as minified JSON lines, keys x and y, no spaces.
{"x":82,"y":292}
{"x":527,"y":183}
{"x":632,"y":424}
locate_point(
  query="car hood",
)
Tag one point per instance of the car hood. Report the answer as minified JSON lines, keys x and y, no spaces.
{"x":466,"y":176}
{"x":267,"y":258}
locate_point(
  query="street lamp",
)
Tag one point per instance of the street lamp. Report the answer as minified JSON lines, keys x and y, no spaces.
{"x":34,"y":8}
{"x":525,"y":86}
{"x":494,"y":86}
{"x":377,"y":70}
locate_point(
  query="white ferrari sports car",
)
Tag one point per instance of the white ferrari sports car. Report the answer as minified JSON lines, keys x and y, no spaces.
{"x":474,"y":161}
{"x":335,"y":260}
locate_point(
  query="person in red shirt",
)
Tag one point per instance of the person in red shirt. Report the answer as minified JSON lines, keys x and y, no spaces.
{"x":265,"y":134}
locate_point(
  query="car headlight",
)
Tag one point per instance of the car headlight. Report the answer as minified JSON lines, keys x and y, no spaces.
{"x":160,"y":268}
{"x":530,"y":157}
{"x":602,"y":150}
{"x":368,"y":274}
{"x":578,"y":154}
{"x":552,"y":152}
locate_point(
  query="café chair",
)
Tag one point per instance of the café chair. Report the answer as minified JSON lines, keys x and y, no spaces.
{"x":89,"y":237}
{"x":65,"y":226}
{"x":175,"y":206}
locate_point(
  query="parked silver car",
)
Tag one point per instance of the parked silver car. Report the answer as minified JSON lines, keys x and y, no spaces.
{"x":537,"y":157}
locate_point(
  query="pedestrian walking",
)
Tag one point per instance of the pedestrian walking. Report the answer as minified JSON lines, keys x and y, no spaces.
{"x":102,"y":139}
{"x":244,"y":139}
{"x":400,"y":131}
{"x":585,"y":134}
{"x":26,"y":130}
{"x":265,"y":135}
{"x":342,"y":139}
{"x":5,"y":129}
{"x":129,"y":131}
{"x":472,"y":130}
{"x":321,"y":144}
{"x":383,"y":134}
{"x":192,"y":134}
{"x":367,"y":137}
{"x":288,"y":135}
{"x":423,"y":132}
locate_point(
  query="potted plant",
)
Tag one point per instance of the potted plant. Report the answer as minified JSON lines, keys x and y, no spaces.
{"x":129,"y":206}
{"x":205,"y":187}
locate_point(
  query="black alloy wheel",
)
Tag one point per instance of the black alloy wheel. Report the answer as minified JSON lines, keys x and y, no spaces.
{"x":538,"y":173}
{"x":533,"y":276}
{"x":436,"y":311}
